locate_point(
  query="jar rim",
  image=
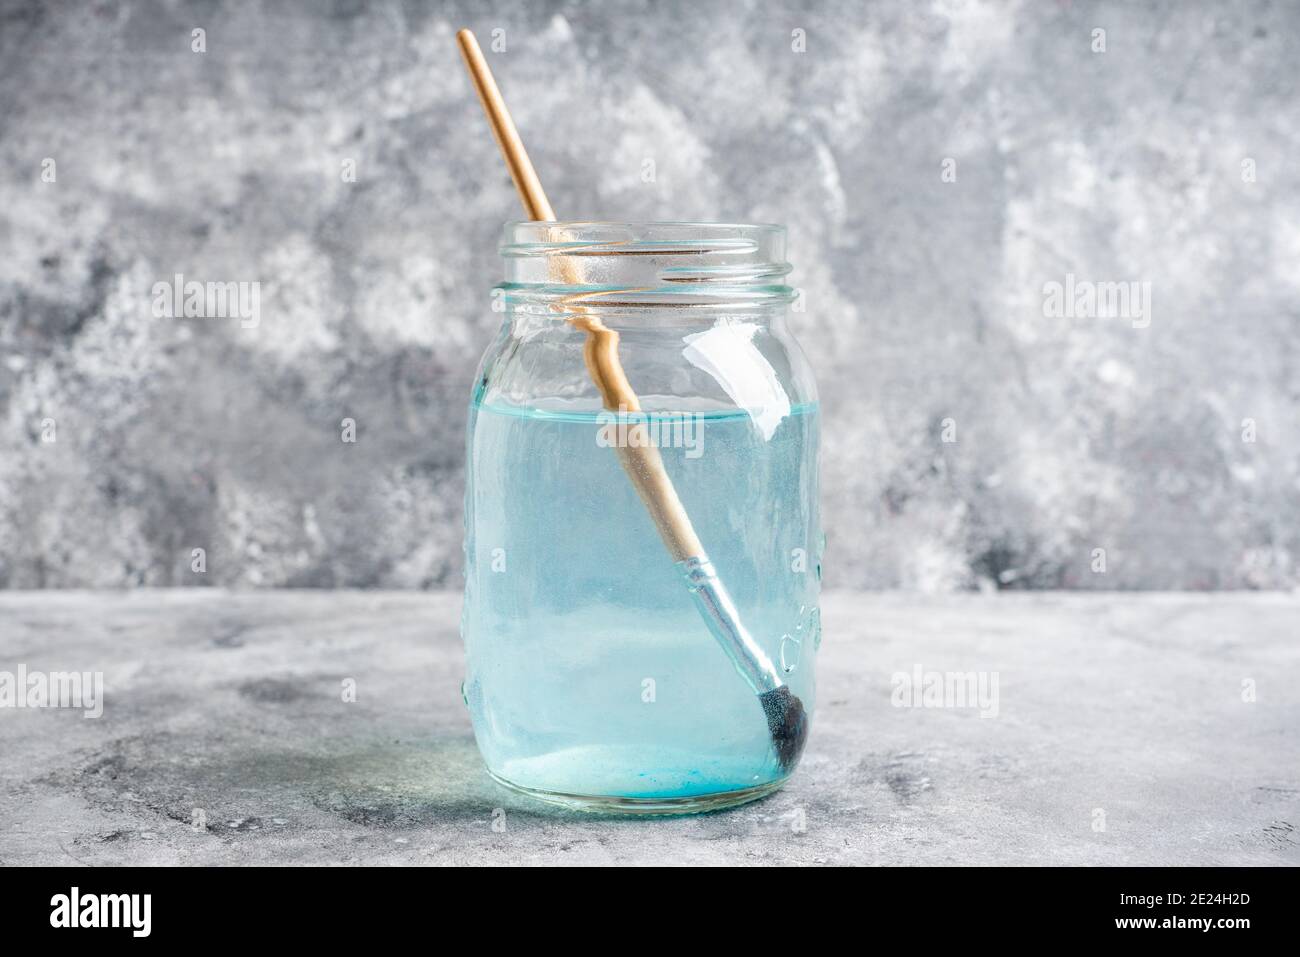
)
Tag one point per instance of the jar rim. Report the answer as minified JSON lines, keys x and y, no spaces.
{"x":646,"y":263}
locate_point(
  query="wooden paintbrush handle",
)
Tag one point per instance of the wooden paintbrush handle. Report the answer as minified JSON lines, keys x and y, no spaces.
{"x":641,"y":460}
{"x":531,"y":194}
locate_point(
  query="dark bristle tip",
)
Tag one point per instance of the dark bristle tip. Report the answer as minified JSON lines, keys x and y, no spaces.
{"x":788,"y":722}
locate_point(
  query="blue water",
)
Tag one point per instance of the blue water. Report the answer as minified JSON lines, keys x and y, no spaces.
{"x":589,"y":670}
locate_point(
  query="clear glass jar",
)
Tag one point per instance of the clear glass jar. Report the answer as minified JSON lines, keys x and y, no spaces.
{"x":595,"y":677}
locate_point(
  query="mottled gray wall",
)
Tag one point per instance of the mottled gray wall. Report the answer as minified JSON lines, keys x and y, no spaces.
{"x":925,"y":297}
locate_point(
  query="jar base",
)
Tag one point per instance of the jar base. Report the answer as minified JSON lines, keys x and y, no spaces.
{"x":645,"y":807}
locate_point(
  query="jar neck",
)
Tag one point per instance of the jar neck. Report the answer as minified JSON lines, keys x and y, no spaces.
{"x":696,"y":271}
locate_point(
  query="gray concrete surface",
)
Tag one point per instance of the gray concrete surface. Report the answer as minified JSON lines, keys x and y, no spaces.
{"x":1121,"y":710}
{"x":924,"y":297}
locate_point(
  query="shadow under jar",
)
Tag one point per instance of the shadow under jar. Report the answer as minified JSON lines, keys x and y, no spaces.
{"x":592,"y":679}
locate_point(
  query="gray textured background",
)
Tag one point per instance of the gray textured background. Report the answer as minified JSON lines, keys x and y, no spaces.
{"x":924,"y":297}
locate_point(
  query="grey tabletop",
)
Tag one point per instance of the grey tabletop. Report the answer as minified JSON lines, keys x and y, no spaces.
{"x":1129,"y":729}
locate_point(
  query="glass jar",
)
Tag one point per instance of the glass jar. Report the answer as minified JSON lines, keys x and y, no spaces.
{"x":608,"y":667}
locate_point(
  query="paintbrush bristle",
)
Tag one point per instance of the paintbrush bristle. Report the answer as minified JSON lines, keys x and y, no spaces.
{"x":788,"y":722}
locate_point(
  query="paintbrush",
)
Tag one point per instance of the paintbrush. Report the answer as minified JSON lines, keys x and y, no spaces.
{"x":787,"y":721}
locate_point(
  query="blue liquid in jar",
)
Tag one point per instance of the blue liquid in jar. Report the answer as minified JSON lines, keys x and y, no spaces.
{"x":589,"y":670}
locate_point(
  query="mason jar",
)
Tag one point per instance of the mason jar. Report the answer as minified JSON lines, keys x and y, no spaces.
{"x":608,"y":667}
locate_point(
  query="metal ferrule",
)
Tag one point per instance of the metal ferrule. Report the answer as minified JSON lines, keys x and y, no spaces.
{"x":719,"y":611}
